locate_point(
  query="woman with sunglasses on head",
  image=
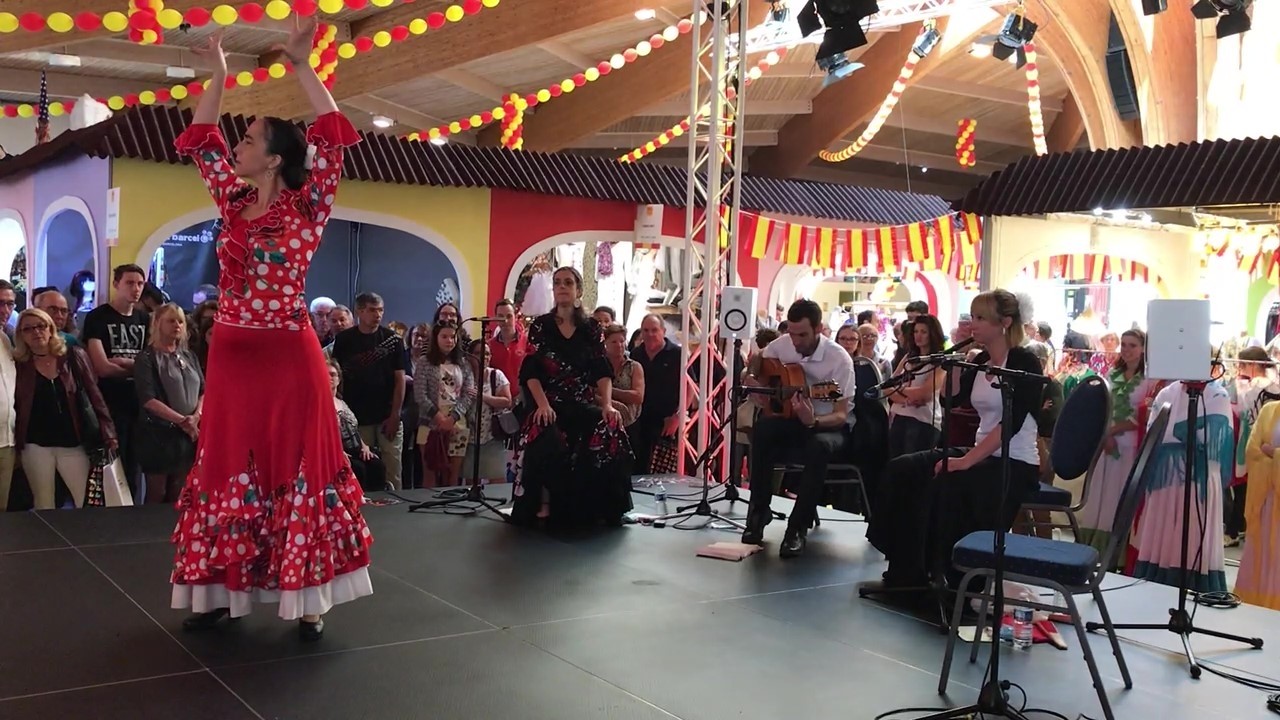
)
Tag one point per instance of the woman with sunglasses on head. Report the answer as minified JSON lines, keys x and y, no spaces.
{"x":271,"y":510}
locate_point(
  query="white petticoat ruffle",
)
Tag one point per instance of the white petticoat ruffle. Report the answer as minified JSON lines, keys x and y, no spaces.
{"x":293,"y":604}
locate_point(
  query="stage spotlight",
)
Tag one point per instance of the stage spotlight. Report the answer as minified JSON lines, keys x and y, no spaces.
{"x":382,"y":121}
{"x":1016,"y":32}
{"x":843,"y":32}
{"x":1233,"y":16}
{"x":779,"y":13}
{"x":927,"y":42}
{"x":1154,"y":7}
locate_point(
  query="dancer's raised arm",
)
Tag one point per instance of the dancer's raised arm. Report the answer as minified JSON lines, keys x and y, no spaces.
{"x":210,"y":105}
{"x":298,"y":50}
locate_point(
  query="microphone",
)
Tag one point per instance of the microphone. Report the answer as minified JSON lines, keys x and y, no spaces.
{"x":483,"y":319}
{"x":947,"y":354}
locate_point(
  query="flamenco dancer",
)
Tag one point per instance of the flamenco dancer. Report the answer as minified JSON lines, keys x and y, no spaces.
{"x":271,"y":510}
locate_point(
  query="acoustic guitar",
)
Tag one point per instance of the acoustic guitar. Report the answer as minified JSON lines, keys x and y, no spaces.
{"x":787,"y":381}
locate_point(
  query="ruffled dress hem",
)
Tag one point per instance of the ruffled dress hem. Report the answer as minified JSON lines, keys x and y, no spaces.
{"x":293,"y":604}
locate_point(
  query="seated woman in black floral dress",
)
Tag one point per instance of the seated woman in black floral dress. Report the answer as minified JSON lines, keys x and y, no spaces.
{"x":575,"y":457}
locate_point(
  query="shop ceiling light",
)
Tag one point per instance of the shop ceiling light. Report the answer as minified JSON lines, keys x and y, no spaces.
{"x":179,"y":73}
{"x":646,"y":14}
{"x":382,"y":121}
{"x":980,"y":50}
{"x":61,"y":60}
{"x":439,"y":141}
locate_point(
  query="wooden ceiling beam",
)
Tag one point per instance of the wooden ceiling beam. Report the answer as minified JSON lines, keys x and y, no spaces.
{"x":67,"y":85}
{"x":572,"y":57}
{"x":505,"y":28}
{"x":934,"y":125}
{"x":1067,"y":131}
{"x":1160,"y":48}
{"x":22,"y":40}
{"x":979,"y":91}
{"x":473,"y":84}
{"x":407,"y":119}
{"x":627,"y":141}
{"x":680,"y":108}
{"x":888,"y":153}
{"x":598,"y":105}
{"x":843,"y":107}
{"x":1074,"y":33}
{"x":124,"y":51}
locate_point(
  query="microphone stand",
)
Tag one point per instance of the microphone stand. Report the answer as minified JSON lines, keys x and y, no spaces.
{"x":702,"y":508}
{"x":1180,"y":622}
{"x":993,"y":698}
{"x":474,"y":498}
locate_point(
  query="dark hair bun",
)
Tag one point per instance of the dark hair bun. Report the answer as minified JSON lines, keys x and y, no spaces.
{"x":286,"y":140}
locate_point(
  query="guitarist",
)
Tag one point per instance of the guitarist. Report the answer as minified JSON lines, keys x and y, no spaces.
{"x":816,"y":433}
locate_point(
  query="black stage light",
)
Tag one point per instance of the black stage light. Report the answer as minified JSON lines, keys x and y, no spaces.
{"x":1154,"y":7}
{"x":1016,"y":32}
{"x":1234,"y":23}
{"x":842,"y":20}
{"x":1233,"y":16}
{"x":927,"y":42}
{"x":1204,"y":10}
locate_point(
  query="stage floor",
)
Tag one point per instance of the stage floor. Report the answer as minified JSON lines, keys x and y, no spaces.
{"x":474,"y":620}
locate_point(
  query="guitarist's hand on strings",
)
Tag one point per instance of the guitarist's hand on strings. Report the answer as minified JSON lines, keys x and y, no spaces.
{"x":803,"y":409}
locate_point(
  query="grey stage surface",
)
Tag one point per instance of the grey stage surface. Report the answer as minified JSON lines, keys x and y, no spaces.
{"x":474,"y":620}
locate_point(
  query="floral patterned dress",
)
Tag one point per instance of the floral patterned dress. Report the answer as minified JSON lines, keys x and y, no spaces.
{"x":584,"y":464}
{"x":271,"y":509}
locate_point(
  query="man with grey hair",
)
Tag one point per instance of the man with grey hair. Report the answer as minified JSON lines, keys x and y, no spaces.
{"x":660,"y":412}
{"x":339,"y":319}
{"x":321,"y":307}
{"x":55,"y":305}
{"x":371,"y":356}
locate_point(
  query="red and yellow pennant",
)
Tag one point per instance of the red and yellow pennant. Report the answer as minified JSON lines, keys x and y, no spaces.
{"x":929,"y":245}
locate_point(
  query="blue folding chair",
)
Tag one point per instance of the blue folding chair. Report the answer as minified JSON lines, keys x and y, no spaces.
{"x":1062,"y":566}
{"x":1077,"y":445}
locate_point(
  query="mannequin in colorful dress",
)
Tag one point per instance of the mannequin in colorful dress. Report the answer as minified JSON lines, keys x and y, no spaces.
{"x":1130,"y":388}
{"x":1258,"y":582}
{"x":1158,"y":536}
{"x":271,"y":509}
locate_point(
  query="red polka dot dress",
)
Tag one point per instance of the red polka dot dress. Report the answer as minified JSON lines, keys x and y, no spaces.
{"x":271,"y":510}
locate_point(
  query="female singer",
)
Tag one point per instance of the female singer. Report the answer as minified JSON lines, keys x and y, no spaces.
{"x":915,"y":411}
{"x":924,"y":515}
{"x":271,"y":510}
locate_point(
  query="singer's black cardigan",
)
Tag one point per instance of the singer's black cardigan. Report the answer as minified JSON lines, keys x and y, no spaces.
{"x":1027,"y":396}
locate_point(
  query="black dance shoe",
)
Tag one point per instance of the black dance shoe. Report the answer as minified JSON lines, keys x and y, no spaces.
{"x":756,"y":522}
{"x":310,"y":631}
{"x":203,"y":622}
{"x":793,"y":543}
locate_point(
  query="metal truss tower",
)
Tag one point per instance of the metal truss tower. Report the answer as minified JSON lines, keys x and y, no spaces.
{"x":713,"y":199}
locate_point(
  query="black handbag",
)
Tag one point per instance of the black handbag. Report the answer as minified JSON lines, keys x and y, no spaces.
{"x":505,"y":425}
{"x":161,"y":446}
{"x":90,"y":427}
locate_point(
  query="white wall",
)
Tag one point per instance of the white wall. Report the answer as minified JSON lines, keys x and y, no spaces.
{"x":17,"y":135}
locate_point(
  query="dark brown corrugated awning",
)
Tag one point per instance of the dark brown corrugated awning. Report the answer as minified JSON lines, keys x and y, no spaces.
{"x":1201,"y":174}
{"x":148,"y":132}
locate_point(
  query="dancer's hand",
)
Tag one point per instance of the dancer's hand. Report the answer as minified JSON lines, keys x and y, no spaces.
{"x":298,"y":47}
{"x":212,"y":54}
{"x":612,"y":417}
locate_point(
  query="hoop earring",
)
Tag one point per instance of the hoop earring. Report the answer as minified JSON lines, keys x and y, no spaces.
{"x":577,"y":302}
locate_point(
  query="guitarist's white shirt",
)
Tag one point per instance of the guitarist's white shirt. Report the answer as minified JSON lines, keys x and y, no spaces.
{"x":828,"y":363}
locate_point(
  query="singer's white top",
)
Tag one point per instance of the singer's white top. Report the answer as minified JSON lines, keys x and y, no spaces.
{"x":985,"y":398}
{"x":828,"y":363}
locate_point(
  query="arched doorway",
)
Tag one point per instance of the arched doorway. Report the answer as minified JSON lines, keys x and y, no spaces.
{"x":1089,"y":292}
{"x":66,"y":247}
{"x":412,"y":271}
{"x":630,"y":279}
{"x":843,"y":297}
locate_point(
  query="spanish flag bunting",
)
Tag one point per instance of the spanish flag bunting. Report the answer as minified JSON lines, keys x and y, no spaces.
{"x":726,"y":225}
{"x":826,"y":240}
{"x":968,"y":251}
{"x":809,"y":251}
{"x":794,"y":238}
{"x":1273,"y":269}
{"x":1098,"y":268}
{"x":760,"y":236}
{"x":1139,"y":272}
{"x":1249,"y":262}
{"x":972,"y":227}
{"x":918,"y":246}
{"x":946,"y":241}
{"x":886,"y":250}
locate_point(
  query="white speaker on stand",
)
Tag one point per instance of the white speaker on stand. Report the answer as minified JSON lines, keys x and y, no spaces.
{"x":1178,"y":345}
{"x":737,"y":313}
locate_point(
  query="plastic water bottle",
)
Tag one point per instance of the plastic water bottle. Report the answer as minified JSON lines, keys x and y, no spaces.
{"x":1022,"y":619}
{"x":659,"y":493}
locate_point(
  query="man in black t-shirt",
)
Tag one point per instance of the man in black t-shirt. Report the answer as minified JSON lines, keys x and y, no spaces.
{"x":372,"y":360}
{"x":114,"y":334}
